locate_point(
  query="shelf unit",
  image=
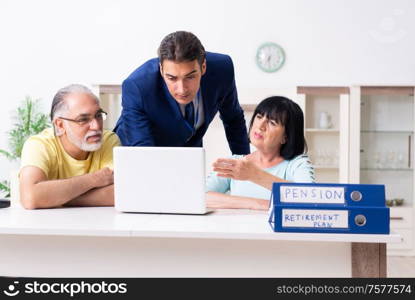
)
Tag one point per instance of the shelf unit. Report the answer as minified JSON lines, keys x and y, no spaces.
{"x":110,"y":98}
{"x":382,"y":151}
{"x":327,"y":141}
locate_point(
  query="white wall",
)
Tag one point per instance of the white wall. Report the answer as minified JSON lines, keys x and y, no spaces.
{"x":48,"y":44}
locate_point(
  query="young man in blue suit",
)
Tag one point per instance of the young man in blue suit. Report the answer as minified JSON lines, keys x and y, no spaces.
{"x":171,"y":100}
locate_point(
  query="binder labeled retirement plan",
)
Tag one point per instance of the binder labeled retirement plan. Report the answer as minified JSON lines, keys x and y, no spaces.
{"x":329,"y":208}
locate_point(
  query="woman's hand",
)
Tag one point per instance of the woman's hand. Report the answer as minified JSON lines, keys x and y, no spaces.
{"x":244,"y":169}
{"x":218,"y":201}
{"x":239,"y":169}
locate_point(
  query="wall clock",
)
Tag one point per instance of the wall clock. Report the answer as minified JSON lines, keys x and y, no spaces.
{"x":270,"y":57}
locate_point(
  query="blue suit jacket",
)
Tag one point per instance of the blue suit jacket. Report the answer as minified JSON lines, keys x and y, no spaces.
{"x":151,"y":116}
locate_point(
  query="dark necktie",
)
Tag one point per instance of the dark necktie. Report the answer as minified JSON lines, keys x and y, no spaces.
{"x":189,"y":114}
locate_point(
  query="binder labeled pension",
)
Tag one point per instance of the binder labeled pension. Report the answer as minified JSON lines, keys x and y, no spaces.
{"x":329,"y":208}
{"x":328,"y":194}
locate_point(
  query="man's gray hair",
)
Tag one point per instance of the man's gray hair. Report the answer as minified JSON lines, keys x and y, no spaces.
{"x":59,"y":105}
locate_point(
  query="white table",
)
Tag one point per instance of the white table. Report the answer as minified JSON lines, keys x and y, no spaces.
{"x":101,"y":242}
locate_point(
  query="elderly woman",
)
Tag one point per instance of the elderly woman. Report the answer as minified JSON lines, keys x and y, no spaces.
{"x":277,"y":132}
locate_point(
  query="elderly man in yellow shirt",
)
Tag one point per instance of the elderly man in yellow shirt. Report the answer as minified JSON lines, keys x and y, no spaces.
{"x":71,"y":163}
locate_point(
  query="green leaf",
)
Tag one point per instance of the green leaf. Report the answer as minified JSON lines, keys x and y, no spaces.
{"x":28,"y":121}
{"x":7,"y":154}
{"x":5,"y":188}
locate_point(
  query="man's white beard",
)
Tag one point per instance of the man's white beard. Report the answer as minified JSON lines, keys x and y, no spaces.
{"x":83,"y":144}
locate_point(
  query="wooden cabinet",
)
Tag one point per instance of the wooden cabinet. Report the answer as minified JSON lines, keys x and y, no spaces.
{"x":382,"y":134}
{"x":326,"y":113}
{"x":365,"y":134}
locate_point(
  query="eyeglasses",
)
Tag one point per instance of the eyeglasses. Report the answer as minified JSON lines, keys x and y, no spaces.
{"x":84,"y":120}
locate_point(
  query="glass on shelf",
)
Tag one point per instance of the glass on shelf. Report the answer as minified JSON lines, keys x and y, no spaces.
{"x":400,"y":161}
{"x":378,"y":160}
{"x":384,"y":160}
{"x":376,"y":131}
{"x":386,"y":169}
{"x":323,"y":158}
{"x":390,"y":161}
{"x":320,"y":130}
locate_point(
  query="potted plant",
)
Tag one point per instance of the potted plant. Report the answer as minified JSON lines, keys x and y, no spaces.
{"x":28,"y":121}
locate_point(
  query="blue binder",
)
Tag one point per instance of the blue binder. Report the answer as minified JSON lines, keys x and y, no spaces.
{"x":289,"y":218}
{"x":329,"y":208}
{"x":288,"y":193}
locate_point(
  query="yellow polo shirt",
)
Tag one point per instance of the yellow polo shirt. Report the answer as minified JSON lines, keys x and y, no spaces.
{"x":46,"y":152}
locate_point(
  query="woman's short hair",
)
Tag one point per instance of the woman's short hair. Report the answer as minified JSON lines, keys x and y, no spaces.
{"x":288,"y":114}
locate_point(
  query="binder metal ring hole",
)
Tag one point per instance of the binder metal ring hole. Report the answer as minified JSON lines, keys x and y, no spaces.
{"x":360,"y":220}
{"x":356,"y":196}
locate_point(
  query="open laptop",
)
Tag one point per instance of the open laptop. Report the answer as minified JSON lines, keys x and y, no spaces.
{"x":159,"y":180}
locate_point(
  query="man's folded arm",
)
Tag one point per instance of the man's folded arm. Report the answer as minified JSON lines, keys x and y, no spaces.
{"x":103,"y":196}
{"x":38,"y":192}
